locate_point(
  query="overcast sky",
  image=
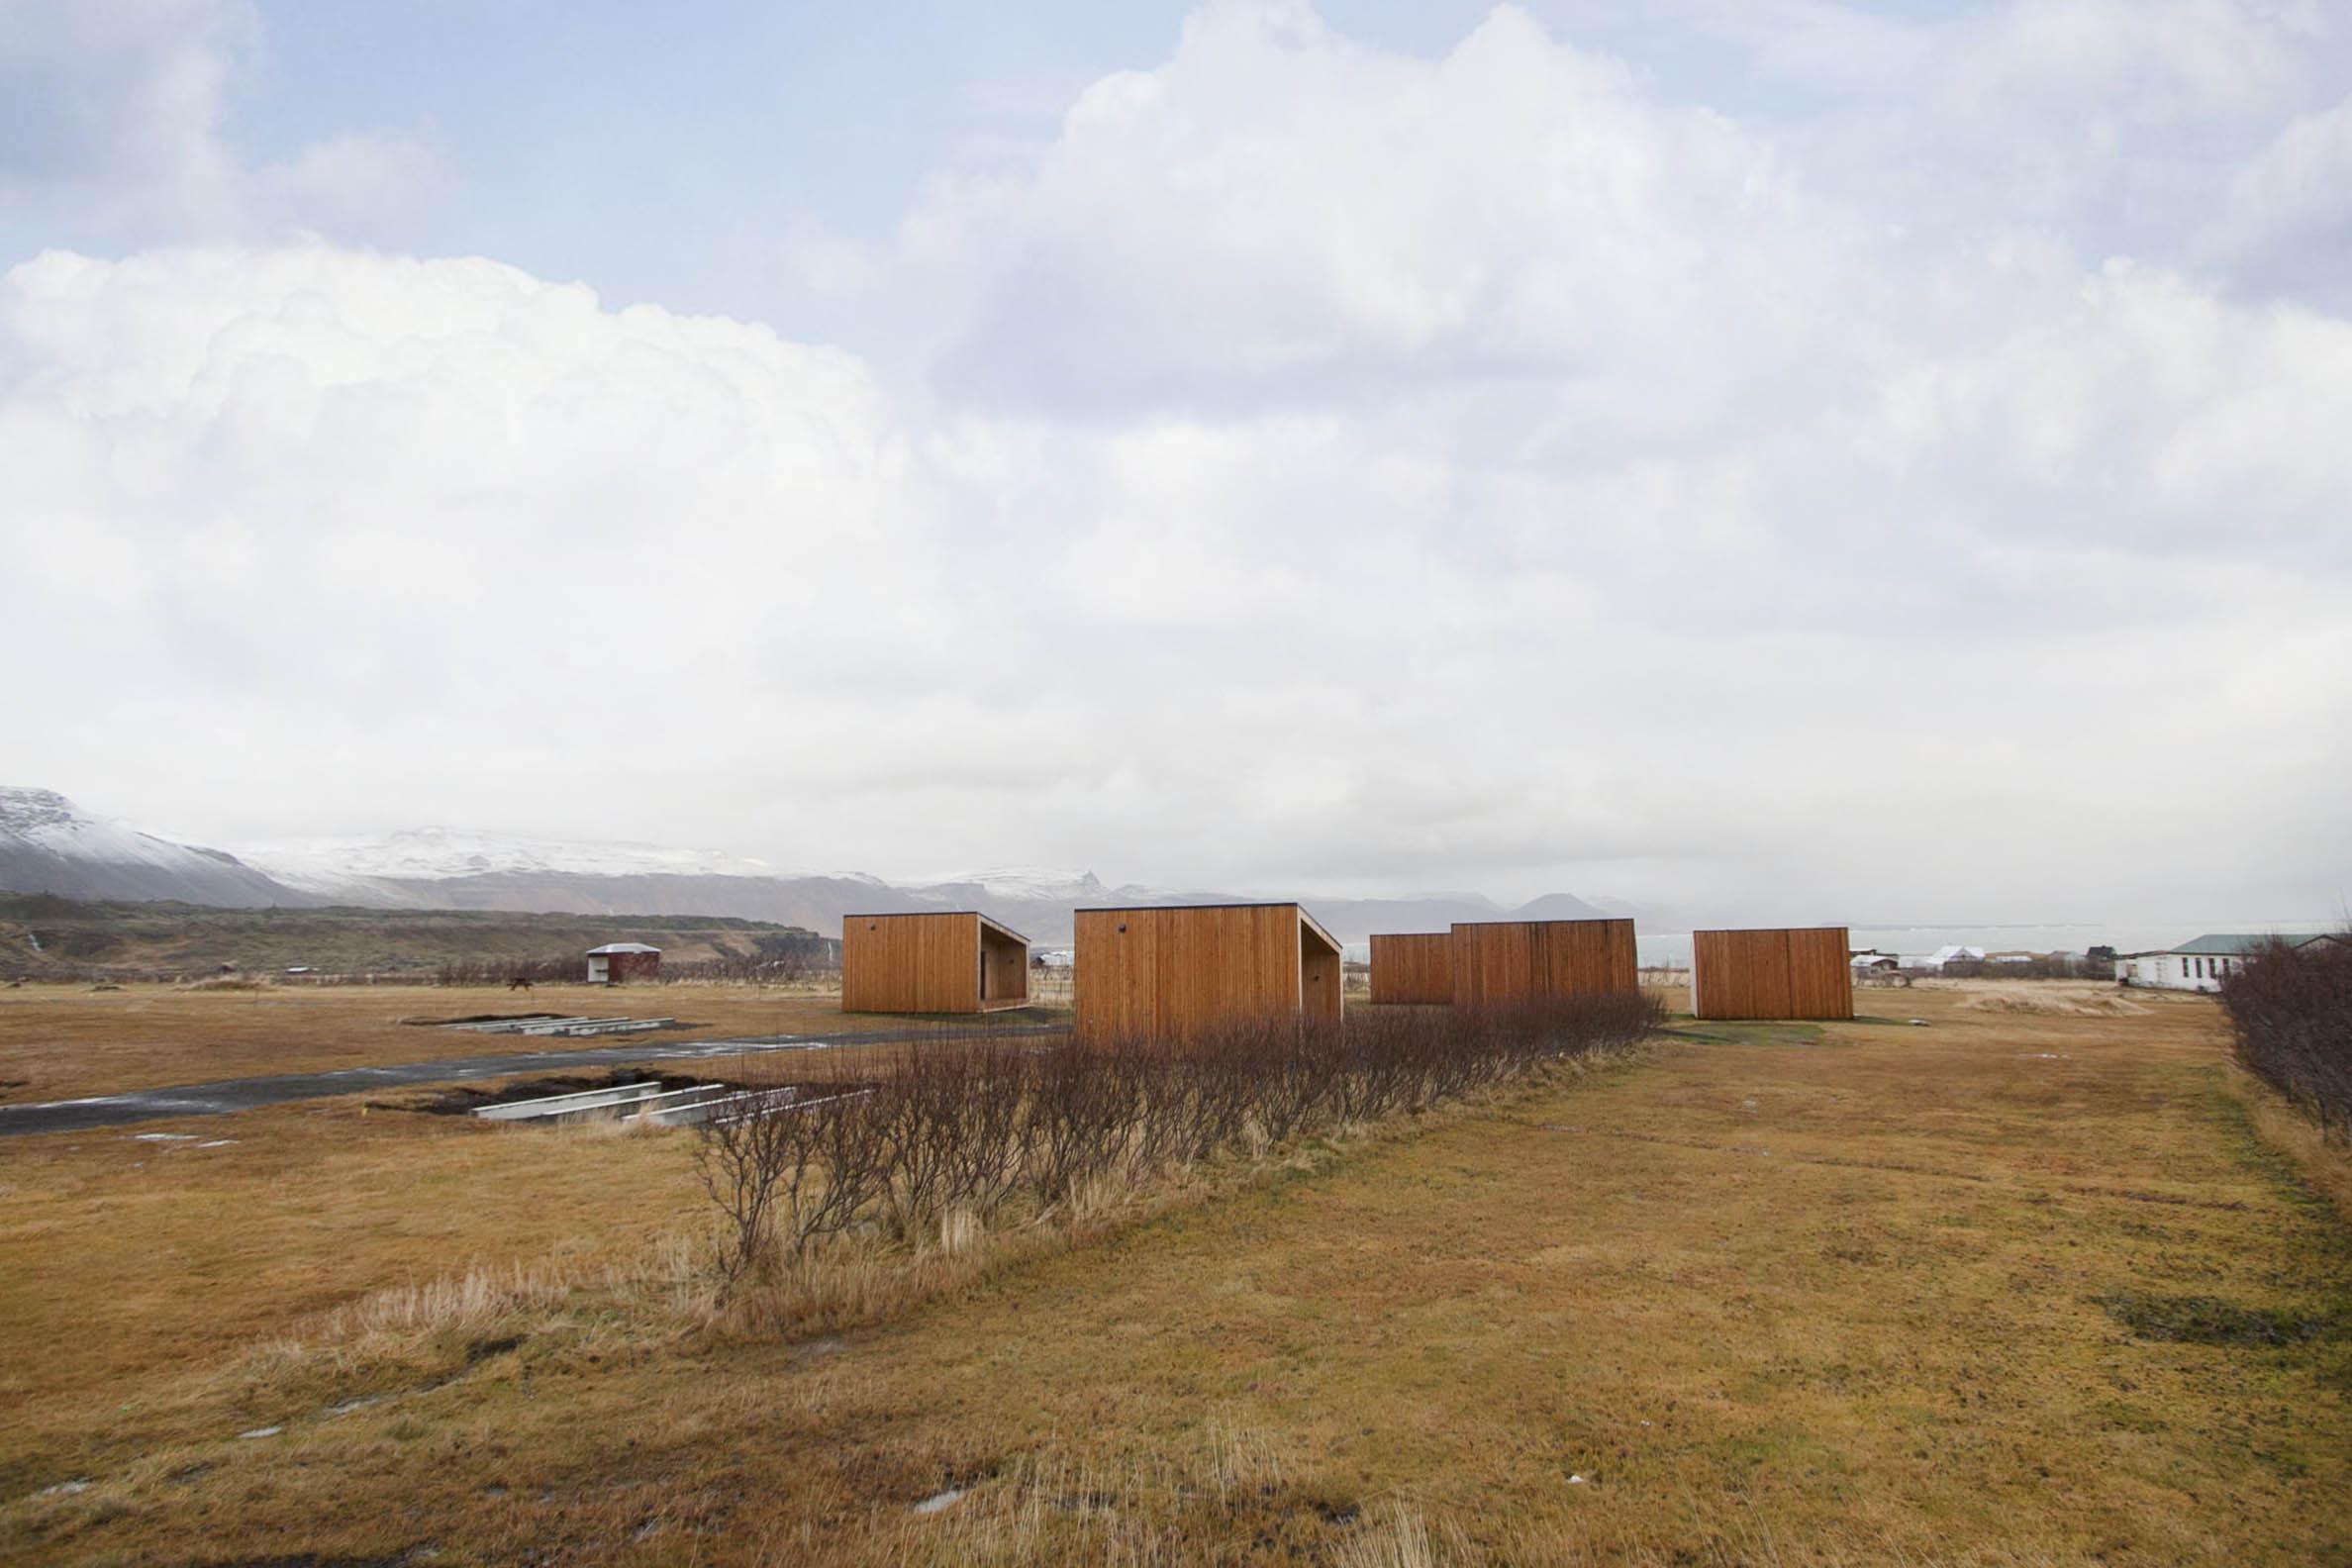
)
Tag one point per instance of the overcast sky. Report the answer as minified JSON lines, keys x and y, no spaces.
{"x":1830,"y":461}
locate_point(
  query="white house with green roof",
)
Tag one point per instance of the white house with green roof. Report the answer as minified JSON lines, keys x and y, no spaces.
{"x":2201,"y":965}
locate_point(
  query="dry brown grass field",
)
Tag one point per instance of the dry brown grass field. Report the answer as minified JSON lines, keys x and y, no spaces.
{"x":62,"y":1041}
{"x":2042,"y":1282}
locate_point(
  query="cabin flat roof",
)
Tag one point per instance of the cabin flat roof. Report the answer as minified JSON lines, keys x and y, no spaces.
{"x":990,"y":920}
{"x":1146,"y":909}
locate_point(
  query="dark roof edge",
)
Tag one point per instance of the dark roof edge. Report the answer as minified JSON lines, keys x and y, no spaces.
{"x":1127,"y":909}
{"x":1734,"y":930}
{"x":903,"y":914}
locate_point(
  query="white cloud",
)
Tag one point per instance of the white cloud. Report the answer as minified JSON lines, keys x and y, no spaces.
{"x":1281,"y":215}
{"x":1339,"y":467}
{"x":114,"y":125}
{"x":2152,"y":408}
{"x":363,"y":184}
{"x":2109,"y":127}
{"x":378,"y":504}
{"x":2287,"y":221}
{"x":120,"y":101}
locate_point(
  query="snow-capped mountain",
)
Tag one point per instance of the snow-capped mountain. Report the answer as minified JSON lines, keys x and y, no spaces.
{"x":49,"y":844}
{"x":469,"y":868}
{"x":1027,"y":885}
{"x":351,"y":866}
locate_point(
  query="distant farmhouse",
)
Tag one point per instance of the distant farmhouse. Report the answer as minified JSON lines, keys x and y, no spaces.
{"x":2202,"y":964}
{"x":1949,"y":955}
{"x":618,"y":963}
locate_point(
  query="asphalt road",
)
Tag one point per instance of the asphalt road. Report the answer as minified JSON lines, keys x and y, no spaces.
{"x":247,"y":1094}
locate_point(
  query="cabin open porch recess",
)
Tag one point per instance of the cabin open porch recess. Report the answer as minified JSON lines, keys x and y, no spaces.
{"x":946,"y":962}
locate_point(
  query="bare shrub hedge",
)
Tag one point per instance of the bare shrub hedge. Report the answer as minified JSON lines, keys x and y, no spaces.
{"x":975,"y":1126}
{"x":2290,"y":1010}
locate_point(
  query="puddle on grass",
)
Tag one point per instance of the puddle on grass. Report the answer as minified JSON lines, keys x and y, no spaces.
{"x":938,"y":1500}
{"x":261,"y":1431}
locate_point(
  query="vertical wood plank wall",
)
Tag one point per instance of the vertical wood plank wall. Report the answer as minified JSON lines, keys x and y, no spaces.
{"x":1784,"y":973}
{"x":1167,"y":973}
{"x":1415,"y":967}
{"x":1501,"y":961}
{"x":1004,"y":967}
{"x":1320,"y":980}
{"x":911,"y":963}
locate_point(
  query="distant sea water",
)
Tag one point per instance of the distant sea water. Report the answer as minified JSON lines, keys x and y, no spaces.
{"x":1673,"y":948}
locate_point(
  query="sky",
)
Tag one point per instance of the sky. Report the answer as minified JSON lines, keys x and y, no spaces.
{"x":1802,"y":461}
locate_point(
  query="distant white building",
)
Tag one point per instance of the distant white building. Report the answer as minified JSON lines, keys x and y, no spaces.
{"x":1870,"y":958}
{"x":2203,"y":964}
{"x":1950,"y":954}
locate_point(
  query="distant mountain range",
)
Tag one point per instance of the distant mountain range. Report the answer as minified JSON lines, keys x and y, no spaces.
{"x":47,"y":844}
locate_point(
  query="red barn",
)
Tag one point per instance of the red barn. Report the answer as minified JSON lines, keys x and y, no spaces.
{"x":618,"y":963}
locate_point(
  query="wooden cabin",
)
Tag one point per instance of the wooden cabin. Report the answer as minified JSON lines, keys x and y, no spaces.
{"x":1497,"y":962}
{"x":1151,"y":974}
{"x":1782,"y":973}
{"x":957,"y":962}
{"x":1413,"y":967}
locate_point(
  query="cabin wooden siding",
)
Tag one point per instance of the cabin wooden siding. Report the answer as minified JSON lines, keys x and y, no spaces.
{"x":943,"y":962}
{"x":1785,"y":973}
{"x":1413,"y":967}
{"x":1503,"y":961}
{"x":1004,"y":967}
{"x":1151,"y":974}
